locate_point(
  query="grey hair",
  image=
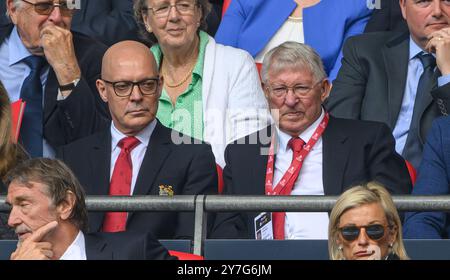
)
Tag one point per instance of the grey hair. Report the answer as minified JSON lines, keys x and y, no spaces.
{"x":357,"y":196}
{"x":150,"y":38}
{"x":293,"y":54}
{"x":17,"y":3}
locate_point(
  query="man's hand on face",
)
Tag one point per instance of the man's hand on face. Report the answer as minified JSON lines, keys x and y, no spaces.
{"x":32,"y":248}
{"x":59,"y":51}
{"x":439,"y":43}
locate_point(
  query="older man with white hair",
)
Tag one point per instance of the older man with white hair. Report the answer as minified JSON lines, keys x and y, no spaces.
{"x":54,"y":71}
{"x":309,"y":151}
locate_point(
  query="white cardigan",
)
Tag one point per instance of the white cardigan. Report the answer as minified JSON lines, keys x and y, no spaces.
{"x":233,"y":101}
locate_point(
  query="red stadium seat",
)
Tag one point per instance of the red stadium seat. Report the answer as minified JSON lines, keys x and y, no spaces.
{"x":412,"y":172}
{"x":185,"y":256}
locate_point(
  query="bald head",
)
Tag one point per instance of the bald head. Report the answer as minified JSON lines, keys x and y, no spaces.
{"x":130,"y":68}
{"x":127,"y":55}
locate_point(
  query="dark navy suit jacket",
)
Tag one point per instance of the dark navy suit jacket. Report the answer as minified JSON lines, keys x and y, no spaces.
{"x":433,"y":179}
{"x":124,"y":246}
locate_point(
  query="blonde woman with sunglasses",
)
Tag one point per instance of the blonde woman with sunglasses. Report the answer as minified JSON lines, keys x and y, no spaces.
{"x":364,"y":225}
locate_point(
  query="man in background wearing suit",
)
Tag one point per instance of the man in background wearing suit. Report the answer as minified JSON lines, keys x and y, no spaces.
{"x":386,"y":16}
{"x":433,"y":179}
{"x":49,"y":214}
{"x":137,"y":155}
{"x":401,"y":79}
{"x":308,"y":152}
{"x":54,"y":70}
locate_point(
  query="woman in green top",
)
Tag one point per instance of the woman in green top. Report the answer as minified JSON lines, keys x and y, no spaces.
{"x":211,"y":92}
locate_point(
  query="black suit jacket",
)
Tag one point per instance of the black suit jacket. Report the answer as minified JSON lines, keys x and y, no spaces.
{"x":124,"y":246}
{"x":353,"y":152}
{"x":371,"y":83}
{"x":109,"y":21}
{"x":83,"y":112}
{"x":189,"y":169}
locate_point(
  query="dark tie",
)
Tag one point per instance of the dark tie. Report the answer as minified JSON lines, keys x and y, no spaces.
{"x":296,"y":144}
{"x":413,"y":147}
{"x":121,"y":184}
{"x":31,"y":130}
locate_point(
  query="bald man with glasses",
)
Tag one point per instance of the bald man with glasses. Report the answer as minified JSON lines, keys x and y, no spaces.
{"x":137,"y":155}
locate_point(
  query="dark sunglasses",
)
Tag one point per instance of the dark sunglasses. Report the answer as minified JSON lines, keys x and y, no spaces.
{"x":46,"y":8}
{"x":374,"y":232}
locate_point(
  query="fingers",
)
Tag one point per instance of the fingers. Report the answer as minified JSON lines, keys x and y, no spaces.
{"x":438,"y":39}
{"x":34,"y":251}
{"x":40,"y":233}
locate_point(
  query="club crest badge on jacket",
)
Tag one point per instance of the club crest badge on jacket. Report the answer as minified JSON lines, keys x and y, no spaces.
{"x":165,"y":190}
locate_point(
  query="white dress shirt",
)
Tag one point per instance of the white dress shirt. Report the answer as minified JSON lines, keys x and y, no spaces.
{"x":76,"y":250}
{"x":137,"y":154}
{"x":312,"y":225}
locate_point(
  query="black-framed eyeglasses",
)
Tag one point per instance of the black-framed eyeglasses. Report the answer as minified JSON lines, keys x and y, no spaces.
{"x":46,"y":8}
{"x":299,"y":90}
{"x":125,"y":88}
{"x":162,"y":10}
{"x":374,"y":232}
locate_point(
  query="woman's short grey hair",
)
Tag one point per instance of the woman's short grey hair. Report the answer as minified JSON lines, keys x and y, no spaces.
{"x":293,"y":55}
{"x":357,"y":196}
{"x":149,"y":38}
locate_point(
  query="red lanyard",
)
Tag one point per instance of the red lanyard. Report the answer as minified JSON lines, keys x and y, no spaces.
{"x":296,"y":164}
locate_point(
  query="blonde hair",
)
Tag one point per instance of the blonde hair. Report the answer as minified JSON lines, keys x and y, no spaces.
{"x":10,"y":153}
{"x":371,"y":192}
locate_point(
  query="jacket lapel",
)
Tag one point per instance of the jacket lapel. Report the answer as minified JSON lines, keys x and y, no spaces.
{"x":260,"y":164}
{"x":426,"y":102}
{"x":96,"y":248}
{"x":156,"y":154}
{"x":51,"y":92}
{"x":396,"y":56}
{"x":101,"y":163}
{"x":335,"y":156}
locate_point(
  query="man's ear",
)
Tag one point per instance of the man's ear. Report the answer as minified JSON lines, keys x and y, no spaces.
{"x":160,"y":86}
{"x":266,"y":90}
{"x":403,"y":8}
{"x":12,"y":11}
{"x":101,"y":88}
{"x":325,"y":88}
{"x":65,"y":208}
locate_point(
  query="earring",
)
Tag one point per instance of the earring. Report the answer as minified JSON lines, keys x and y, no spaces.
{"x":340,"y":248}
{"x":391,"y":245}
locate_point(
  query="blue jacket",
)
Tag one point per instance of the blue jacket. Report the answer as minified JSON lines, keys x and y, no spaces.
{"x":433,"y":179}
{"x":250,"y":24}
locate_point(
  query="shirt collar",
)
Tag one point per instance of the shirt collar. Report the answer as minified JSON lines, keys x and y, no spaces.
{"x":17,"y":50}
{"x":143,"y":136}
{"x":414,"y":49}
{"x":76,"y":250}
{"x":283,"y":137}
